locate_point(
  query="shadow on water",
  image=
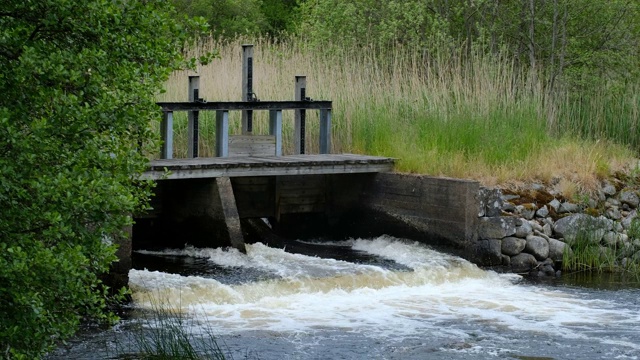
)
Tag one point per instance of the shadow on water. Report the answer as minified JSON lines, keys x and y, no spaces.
{"x":611,"y":281}
{"x":193,"y":266}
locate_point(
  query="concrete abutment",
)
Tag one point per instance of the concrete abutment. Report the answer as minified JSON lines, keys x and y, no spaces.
{"x":213,"y":212}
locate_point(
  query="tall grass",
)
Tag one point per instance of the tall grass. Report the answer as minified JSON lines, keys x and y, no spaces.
{"x":168,"y":334}
{"x":447,"y":114}
{"x":590,"y":256}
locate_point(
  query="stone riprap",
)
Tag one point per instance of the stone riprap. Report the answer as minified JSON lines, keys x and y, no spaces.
{"x":529,"y":231}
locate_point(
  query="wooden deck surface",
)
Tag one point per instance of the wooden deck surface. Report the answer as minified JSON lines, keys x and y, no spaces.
{"x":267,"y":166}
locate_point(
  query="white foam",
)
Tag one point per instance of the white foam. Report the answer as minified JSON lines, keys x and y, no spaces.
{"x":325,"y":293}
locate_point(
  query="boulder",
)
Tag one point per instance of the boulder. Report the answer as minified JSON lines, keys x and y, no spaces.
{"x":575,"y":225}
{"x":608,"y":189}
{"x":513,"y":246}
{"x":488,"y":252}
{"x":543,"y":212}
{"x":626,"y":222}
{"x":537,"y":246}
{"x":491,"y":202}
{"x":527,"y":211}
{"x":524,"y":230}
{"x":547,"y":230}
{"x":613,"y":213}
{"x":497,"y":227}
{"x":612,"y":239}
{"x":506,"y":260}
{"x":555,"y":204}
{"x":523,"y":262}
{"x":567,"y":207}
{"x":629,"y":197}
{"x":557,"y":249}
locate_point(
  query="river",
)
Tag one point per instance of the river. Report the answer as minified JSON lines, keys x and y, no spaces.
{"x":382,"y":298}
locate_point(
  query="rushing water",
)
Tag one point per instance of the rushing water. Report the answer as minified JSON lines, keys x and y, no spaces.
{"x":382,"y":298}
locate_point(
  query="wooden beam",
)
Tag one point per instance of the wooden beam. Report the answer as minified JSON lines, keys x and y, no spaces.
{"x":272,"y":170}
{"x":243,"y":105}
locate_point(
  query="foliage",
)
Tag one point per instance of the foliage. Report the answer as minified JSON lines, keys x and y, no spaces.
{"x":230,"y":18}
{"x":574,"y":57}
{"x":78,"y":80}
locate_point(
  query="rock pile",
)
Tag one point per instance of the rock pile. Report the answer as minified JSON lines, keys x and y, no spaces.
{"x":530,"y":230}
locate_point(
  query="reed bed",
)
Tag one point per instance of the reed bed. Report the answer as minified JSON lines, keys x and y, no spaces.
{"x":475,"y":116}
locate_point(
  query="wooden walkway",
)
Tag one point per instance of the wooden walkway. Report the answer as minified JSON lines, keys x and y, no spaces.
{"x":266,"y":166}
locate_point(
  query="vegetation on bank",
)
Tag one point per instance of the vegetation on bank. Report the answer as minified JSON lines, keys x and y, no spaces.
{"x":463,"y":116}
{"x":589,"y":256}
{"x":78,"y":81}
{"x":493,"y":90}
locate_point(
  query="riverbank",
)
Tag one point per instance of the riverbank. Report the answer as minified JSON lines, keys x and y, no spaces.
{"x":543,"y":229}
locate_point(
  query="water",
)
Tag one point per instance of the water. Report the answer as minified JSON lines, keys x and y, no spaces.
{"x":382,"y":298}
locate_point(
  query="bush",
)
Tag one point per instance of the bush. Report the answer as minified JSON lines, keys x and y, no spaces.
{"x":78,"y":80}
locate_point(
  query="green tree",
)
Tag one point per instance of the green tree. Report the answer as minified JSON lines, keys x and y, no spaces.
{"x":78,"y":80}
{"x":227,"y":18}
{"x":230,"y":18}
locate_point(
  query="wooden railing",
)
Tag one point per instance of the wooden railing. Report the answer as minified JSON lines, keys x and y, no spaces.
{"x":222,"y":109}
{"x":250,"y":103}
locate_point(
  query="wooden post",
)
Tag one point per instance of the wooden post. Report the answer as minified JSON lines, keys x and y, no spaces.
{"x":194,"y":95}
{"x":230,"y":211}
{"x":275,"y":128}
{"x":166,"y":131}
{"x":247,"y":87}
{"x":325,"y":131}
{"x":222,"y":133}
{"x":300,"y":115}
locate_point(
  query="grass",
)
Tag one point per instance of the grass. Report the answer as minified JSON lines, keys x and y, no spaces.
{"x":165,"y":333}
{"x":478,"y":118}
{"x":588,"y":255}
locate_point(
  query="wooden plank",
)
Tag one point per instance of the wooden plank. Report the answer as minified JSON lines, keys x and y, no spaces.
{"x":266,"y":166}
{"x":249,"y":145}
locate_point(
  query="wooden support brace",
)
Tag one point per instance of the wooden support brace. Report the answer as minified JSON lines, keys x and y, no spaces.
{"x":230,"y":210}
{"x":222,"y":133}
{"x":166,"y":131}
